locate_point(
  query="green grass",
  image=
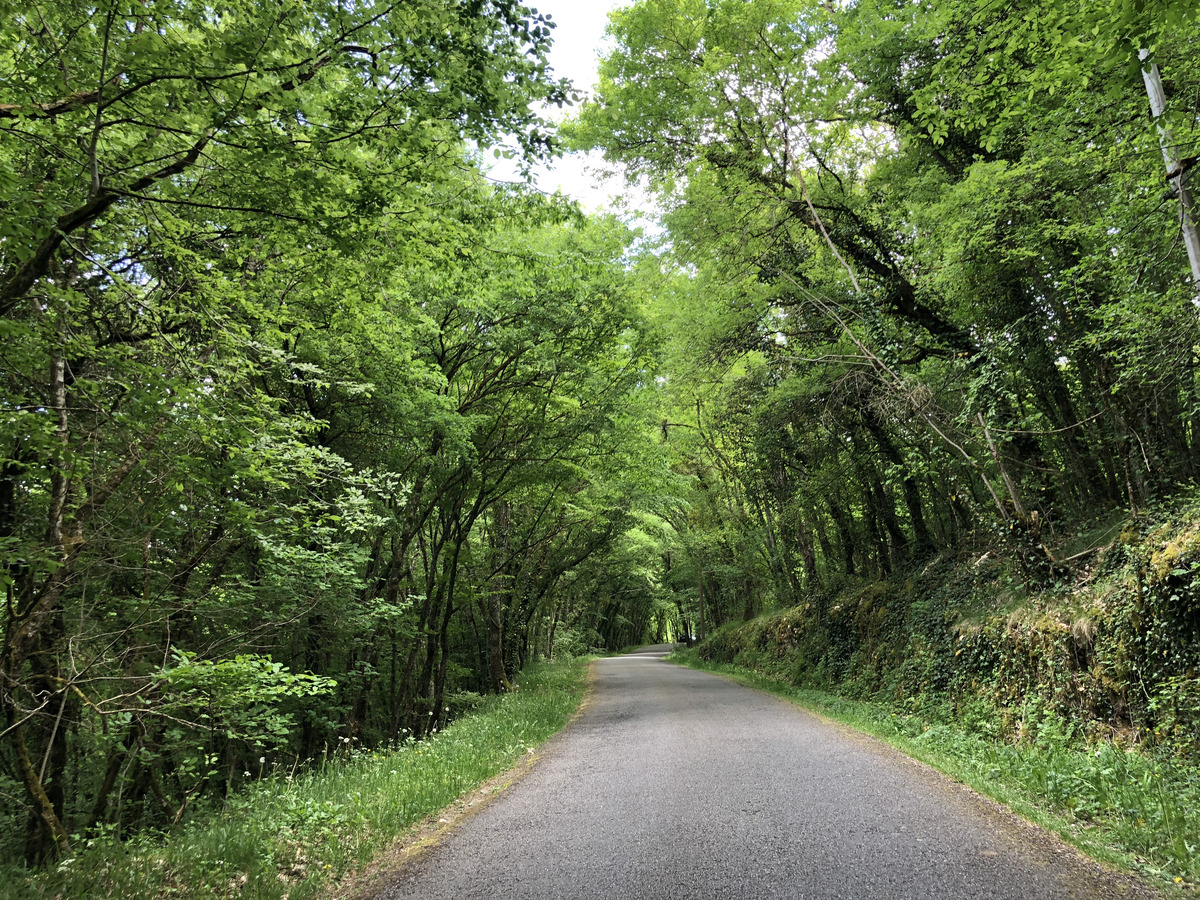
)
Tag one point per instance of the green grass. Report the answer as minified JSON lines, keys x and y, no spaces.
{"x":293,"y":837}
{"x":1118,"y":805}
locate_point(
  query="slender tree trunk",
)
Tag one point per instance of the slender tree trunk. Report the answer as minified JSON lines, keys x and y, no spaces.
{"x":51,"y":825}
{"x":1177,"y":173}
{"x":912,"y":494}
{"x":1014,"y":496}
{"x":807,"y":553}
{"x":845,"y":535}
{"x":550,"y":632}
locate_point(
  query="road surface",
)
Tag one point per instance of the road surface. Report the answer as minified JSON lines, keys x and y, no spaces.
{"x":678,"y":784}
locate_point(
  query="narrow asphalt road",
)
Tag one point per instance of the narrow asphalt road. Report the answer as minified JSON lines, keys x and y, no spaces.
{"x":678,"y":784}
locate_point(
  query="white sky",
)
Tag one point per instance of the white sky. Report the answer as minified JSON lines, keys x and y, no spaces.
{"x":578,"y":36}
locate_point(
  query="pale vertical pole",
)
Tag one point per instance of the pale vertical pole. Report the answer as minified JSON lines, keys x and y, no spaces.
{"x":1176,"y":174}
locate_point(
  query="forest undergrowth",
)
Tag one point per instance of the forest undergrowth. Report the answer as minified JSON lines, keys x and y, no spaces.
{"x":296,"y":835}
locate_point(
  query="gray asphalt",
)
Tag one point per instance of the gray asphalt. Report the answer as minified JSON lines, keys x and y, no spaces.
{"x":678,"y":784}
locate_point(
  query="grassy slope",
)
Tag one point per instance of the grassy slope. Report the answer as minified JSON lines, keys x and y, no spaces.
{"x":293,"y":837}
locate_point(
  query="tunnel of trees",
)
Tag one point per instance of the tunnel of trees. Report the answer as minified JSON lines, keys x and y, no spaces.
{"x":310,"y":431}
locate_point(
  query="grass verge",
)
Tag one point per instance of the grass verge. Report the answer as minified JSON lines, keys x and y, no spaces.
{"x":293,"y":837}
{"x":1117,"y":805}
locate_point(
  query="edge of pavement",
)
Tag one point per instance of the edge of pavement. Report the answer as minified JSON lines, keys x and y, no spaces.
{"x":370,"y":880}
{"x":1109,"y":879}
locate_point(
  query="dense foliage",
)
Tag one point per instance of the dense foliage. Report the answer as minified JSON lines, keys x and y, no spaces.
{"x":305,"y":425}
{"x":924,"y":279}
{"x":310,"y":434}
